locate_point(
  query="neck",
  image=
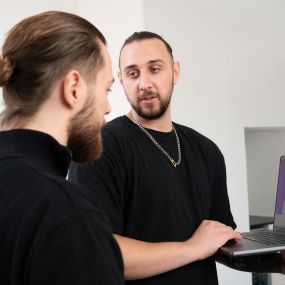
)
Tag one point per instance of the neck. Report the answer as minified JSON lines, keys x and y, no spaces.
{"x":56,"y":132}
{"x":52,"y":125}
{"x":162,"y":124}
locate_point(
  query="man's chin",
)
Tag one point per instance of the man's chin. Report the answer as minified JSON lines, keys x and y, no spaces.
{"x":151,"y":115}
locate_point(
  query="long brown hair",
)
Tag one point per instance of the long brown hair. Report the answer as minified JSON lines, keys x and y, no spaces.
{"x":38,"y":51}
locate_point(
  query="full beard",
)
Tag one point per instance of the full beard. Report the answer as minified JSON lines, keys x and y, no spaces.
{"x":151,"y":112}
{"x":85,"y":141}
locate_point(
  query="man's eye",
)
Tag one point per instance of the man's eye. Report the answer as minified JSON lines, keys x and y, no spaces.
{"x":155,"y":69}
{"x":132,"y":74}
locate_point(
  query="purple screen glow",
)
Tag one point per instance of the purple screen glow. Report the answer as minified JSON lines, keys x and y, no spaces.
{"x":280,"y":199}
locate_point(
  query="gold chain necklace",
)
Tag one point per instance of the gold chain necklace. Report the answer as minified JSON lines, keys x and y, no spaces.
{"x":174,"y":163}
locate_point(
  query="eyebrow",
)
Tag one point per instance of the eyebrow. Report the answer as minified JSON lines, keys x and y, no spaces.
{"x":149,"y":62}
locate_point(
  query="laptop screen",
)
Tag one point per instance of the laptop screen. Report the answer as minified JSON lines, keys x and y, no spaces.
{"x":279,"y":220}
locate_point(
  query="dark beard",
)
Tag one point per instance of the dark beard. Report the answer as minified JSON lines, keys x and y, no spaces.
{"x":84,"y":136}
{"x":152,"y":114}
{"x":84,"y":146}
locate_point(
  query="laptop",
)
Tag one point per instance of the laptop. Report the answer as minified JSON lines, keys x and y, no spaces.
{"x":264,"y":240}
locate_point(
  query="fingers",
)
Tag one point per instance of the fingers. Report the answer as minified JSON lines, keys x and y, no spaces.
{"x":222,"y":228}
{"x":210,"y":236}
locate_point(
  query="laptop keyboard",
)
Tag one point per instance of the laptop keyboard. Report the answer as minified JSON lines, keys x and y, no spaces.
{"x":266,"y":237}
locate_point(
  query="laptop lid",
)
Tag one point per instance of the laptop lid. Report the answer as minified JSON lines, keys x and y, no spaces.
{"x":279,"y":215}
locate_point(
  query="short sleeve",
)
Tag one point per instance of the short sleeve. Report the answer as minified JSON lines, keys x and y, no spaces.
{"x":81,"y":250}
{"x":220,"y":206}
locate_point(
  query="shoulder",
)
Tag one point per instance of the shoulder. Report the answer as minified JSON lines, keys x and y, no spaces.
{"x":80,"y":197}
{"x":196,"y":137}
{"x":116,"y":126}
{"x":50,"y":199}
{"x":120,"y":127}
{"x":53,"y":191}
{"x":67,"y":198}
{"x":117,"y":134}
{"x":203,"y":147}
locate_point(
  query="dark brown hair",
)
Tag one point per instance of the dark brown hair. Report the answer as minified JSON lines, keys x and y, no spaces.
{"x":145,"y":35}
{"x":38,"y":51}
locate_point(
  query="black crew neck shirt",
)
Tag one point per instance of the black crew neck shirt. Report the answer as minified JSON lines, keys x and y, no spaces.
{"x":146,"y":198}
{"x":51,"y":230}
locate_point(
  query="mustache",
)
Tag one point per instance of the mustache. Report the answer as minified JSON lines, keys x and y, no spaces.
{"x":148,"y":94}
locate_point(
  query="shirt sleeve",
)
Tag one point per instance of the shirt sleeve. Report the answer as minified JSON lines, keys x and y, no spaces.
{"x":106,"y":178}
{"x":220,"y":206}
{"x":81,"y":250}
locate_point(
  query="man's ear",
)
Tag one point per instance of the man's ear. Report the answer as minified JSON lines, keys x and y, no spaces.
{"x":176,"y":71}
{"x":71,"y":88}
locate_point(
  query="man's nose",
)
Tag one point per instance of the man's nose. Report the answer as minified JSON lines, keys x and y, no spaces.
{"x":145,"y":82}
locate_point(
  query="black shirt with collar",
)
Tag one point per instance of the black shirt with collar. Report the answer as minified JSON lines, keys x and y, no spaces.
{"x":51,"y":230}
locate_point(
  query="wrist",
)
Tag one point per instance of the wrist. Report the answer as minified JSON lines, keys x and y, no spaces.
{"x":190,"y":252}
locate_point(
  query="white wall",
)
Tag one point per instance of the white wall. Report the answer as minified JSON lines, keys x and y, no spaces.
{"x":233,"y":64}
{"x":264,"y":146}
{"x":13,"y":11}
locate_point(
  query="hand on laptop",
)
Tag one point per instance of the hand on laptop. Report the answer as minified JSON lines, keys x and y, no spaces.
{"x":209,"y":237}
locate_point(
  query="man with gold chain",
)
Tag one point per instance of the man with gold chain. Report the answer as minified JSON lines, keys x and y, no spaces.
{"x":162,"y":185}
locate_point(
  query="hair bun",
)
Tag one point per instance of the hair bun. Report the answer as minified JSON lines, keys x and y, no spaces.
{"x":6,"y":69}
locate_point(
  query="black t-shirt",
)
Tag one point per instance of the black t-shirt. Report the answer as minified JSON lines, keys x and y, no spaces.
{"x":146,"y":198}
{"x":51,"y":230}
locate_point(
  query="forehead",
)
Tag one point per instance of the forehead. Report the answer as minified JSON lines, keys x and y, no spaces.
{"x":144,"y":51}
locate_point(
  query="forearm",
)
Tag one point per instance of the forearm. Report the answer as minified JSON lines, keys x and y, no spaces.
{"x":143,"y":259}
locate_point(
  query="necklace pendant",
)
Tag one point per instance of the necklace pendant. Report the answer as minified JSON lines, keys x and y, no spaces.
{"x":173,"y":162}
